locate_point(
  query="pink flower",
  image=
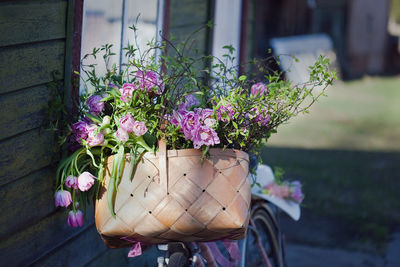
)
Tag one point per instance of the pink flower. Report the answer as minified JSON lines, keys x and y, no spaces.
{"x":71,"y":182}
{"x":190,"y":101}
{"x":80,"y":131}
{"x":139,"y":128}
{"x":122,"y":135}
{"x":62,"y":198}
{"x":206,"y":117}
{"x":190,"y":124}
{"x":94,"y":139}
{"x":224,"y":112}
{"x":282,"y":191}
{"x":75,"y":219}
{"x":95,"y":104}
{"x":296,"y":193}
{"x":259,"y":89}
{"x":127,"y":123}
{"x":205,"y":136}
{"x":127,"y":91}
{"x":261,"y":116}
{"x":176,"y":118}
{"x":148,"y":81}
{"x":85,"y":181}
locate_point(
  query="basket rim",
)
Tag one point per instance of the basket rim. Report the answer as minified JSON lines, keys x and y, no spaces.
{"x":230,"y":152}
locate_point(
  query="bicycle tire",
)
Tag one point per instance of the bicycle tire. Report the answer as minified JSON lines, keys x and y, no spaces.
{"x":267,"y":229}
{"x":177,"y":259}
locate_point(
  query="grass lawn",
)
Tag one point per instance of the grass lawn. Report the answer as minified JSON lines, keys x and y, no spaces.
{"x":347,"y":154}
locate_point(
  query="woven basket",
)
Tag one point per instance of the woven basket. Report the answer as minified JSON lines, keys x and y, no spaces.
{"x":173,"y":197}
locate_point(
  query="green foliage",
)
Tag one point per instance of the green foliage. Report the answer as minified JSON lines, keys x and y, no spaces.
{"x":238,"y":115}
{"x":395,"y":10}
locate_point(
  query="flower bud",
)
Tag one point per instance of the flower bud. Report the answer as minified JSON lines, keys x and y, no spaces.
{"x":85,"y":181}
{"x":75,"y":219}
{"x":62,"y":198}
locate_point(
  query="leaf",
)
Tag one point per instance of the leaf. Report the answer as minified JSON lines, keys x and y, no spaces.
{"x":93,"y":118}
{"x":234,"y":124}
{"x":111,"y":195}
{"x":242,"y":78}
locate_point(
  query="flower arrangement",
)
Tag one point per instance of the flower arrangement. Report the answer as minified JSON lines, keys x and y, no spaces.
{"x":172,"y":98}
{"x":286,"y":190}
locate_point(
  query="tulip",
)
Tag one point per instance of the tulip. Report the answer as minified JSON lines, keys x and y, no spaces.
{"x":95,"y":104}
{"x":139,"y":128}
{"x":94,"y":139}
{"x":70,"y":182}
{"x":122,"y":135}
{"x":85,"y":181}
{"x":75,"y":219}
{"x":126,"y":123}
{"x":62,"y":198}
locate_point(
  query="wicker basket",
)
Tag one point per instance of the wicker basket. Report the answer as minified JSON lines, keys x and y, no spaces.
{"x":173,"y":197}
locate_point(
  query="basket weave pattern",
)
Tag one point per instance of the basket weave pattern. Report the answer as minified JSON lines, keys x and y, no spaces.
{"x":198,"y":203}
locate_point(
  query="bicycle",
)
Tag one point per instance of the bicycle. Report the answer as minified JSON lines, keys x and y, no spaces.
{"x":263,"y":237}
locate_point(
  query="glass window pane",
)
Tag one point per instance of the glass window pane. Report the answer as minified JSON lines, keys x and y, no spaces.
{"x":146,"y":24}
{"x":102,"y":24}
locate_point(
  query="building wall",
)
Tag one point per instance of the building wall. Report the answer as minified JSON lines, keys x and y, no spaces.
{"x":367,"y":36}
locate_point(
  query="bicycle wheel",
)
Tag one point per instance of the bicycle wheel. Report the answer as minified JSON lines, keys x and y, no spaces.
{"x":264,"y":232}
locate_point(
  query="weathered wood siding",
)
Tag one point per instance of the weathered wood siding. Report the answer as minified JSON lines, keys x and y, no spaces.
{"x":32,"y":47}
{"x":32,"y":230}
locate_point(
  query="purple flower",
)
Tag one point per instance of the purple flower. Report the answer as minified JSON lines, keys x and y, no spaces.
{"x":122,"y":135}
{"x":126,"y":123}
{"x":94,"y":139}
{"x":148,"y":81}
{"x":95,"y":104}
{"x":205,"y":136}
{"x":259,"y":89}
{"x":206,"y":117}
{"x":139,"y":128}
{"x":127,"y":91}
{"x":75,"y":219}
{"x":176,"y":118}
{"x":79,"y":129}
{"x":62,"y":198}
{"x":71,"y":182}
{"x":190,"y":124}
{"x":224,"y":112}
{"x":296,"y":193}
{"x":261,"y":116}
{"x":85,"y":181}
{"x":190,"y":101}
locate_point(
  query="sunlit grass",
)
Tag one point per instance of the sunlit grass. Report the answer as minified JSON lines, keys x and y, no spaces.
{"x":361,"y":115}
{"x":347,"y":154}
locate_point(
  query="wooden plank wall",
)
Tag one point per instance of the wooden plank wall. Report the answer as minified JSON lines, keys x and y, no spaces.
{"x":32,"y":47}
{"x":32,"y":231}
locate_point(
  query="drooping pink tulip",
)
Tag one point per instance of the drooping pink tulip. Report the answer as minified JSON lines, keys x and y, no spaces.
{"x":85,"y":181}
{"x":71,"y":182}
{"x":62,"y":198}
{"x":75,"y":219}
